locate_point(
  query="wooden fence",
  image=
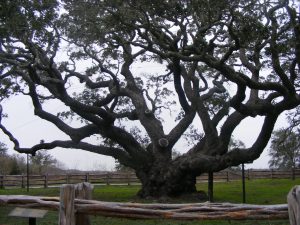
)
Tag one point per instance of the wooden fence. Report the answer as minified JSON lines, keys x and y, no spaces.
{"x":114,"y":178}
{"x":79,"y":197}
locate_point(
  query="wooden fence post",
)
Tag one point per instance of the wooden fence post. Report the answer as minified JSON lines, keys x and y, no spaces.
{"x":83,"y":191}
{"x":107,"y":178}
{"x":87,"y":175}
{"x":293,"y":205}
{"x":2,"y":182}
{"x":66,"y":207}
{"x":293,"y":175}
{"x":46,"y":180}
{"x":248,"y":174}
{"x":128,"y":178}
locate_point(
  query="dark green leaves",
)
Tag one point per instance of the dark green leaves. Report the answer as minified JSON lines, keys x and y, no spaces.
{"x":21,"y":18}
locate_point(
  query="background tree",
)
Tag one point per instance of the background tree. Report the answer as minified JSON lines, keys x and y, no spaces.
{"x":4,"y":164}
{"x":236,"y":143}
{"x":10,"y":164}
{"x":221,"y":62}
{"x":285,"y":149}
{"x":293,"y":118}
{"x":233,"y":144}
{"x":17,"y":165}
{"x":121,"y":168}
{"x":42,"y":162}
{"x":3,"y":149}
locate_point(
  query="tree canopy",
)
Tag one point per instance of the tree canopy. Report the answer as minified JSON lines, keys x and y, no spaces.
{"x":10,"y":164}
{"x":42,"y":162}
{"x":222,"y":62}
{"x":285,"y":149}
{"x":3,"y":149}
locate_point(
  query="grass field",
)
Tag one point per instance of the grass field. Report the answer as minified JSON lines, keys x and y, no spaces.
{"x":257,"y":192}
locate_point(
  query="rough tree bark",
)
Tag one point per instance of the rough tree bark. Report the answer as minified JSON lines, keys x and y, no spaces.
{"x":166,"y":182}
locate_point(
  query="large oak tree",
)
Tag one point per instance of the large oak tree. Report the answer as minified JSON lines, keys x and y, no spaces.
{"x":222,"y":62}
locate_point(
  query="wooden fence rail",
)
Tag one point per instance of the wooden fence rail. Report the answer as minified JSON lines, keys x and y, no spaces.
{"x":113,"y":178}
{"x":71,"y":206}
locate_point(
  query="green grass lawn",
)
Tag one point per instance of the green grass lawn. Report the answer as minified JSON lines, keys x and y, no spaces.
{"x":257,"y":192}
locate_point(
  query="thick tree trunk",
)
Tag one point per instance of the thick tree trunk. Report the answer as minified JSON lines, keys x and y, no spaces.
{"x":159,"y":183}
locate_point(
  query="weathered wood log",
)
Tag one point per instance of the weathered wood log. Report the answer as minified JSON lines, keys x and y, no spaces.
{"x":66,"y":208}
{"x":83,"y":191}
{"x":192,"y":211}
{"x":293,"y":199}
{"x":50,"y":203}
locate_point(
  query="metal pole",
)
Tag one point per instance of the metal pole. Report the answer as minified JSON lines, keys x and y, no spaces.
{"x":210,"y":186}
{"x":32,"y":221}
{"x":243,"y":181}
{"x":27,"y":173}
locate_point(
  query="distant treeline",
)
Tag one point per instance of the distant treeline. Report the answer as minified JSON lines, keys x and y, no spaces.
{"x":41,"y":163}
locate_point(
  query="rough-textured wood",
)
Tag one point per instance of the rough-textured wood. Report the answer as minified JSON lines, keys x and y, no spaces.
{"x":66,"y":208}
{"x":293,"y":200}
{"x":193,"y":211}
{"x":187,"y":211}
{"x":83,"y":191}
{"x":50,"y":203}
